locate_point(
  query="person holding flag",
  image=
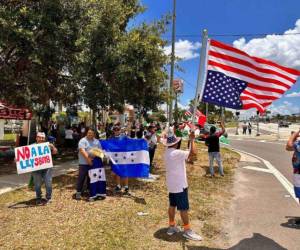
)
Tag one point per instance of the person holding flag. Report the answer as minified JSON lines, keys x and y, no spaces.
{"x":293,"y":144}
{"x":118,"y":188}
{"x":85,"y":159}
{"x":213,"y":144}
{"x":177,"y":185}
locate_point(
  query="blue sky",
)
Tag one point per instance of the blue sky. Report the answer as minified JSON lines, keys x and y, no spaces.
{"x":233,"y":18}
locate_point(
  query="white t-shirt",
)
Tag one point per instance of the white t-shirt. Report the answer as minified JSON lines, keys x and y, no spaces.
{"x":152,"y":141}
{"x":175,"y":169}
{"x":69,"y":134}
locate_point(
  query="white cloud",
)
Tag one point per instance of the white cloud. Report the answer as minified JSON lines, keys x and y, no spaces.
{"x":294,"y":94}
{"x":283,"y":49}
{"x":286,"y":108}
{"x":184,"y":49}
{"x":181,"y":106}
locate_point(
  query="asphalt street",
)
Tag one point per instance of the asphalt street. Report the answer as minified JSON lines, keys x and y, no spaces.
{"x":262,"y":211}
{"x":274,"y":152}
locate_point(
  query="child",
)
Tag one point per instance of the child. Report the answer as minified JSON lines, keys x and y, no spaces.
{"x":293,"y":144}
{"x":177,"y":184}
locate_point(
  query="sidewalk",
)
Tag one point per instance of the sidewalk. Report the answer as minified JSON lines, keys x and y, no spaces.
{"x":268,"y":137}
{"x":15,"y":181}
{"x":262,"y":211}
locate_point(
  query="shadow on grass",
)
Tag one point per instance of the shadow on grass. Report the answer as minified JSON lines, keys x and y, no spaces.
{"x":69,"y":181}
{"x":26,"y":204}
{"x":161,"y":234}
{"x":291,"y":223}
{"x":139,"y":200}
{"x":256,"y":242}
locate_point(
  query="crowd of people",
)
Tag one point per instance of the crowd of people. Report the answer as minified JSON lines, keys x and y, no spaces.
{"x":174,"y":160}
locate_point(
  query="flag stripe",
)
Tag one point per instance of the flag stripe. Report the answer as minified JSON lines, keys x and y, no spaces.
{"x":266,"y":89}
{"x":249,"y":101}
{"x":241,"y":64}
{"x":251,"y":98}
{"x":259,"y":96}
{"x":259,"y":60}
{"x":252,"y":61}
{"x":262,"y":92}
{"x":277,"y":88}
{"x":248,"y":74}
{"x":141,"y":156}
{"x":254,"y":105}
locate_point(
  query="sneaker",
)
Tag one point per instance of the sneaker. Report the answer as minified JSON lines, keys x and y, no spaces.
{"x":118,"y":188}
{"x":91,"y":199}
{"x":78,"y":196}
{"x":101,"y":197}
{"x":126,"y":190}
{"x":173,"y":230}
{"x":191,"y":235}
{"x":38,"y":201}
{"x":48,"y":201}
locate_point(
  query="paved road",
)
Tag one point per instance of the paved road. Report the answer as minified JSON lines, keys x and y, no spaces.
{"x":274,"y":152}
{"x":262,"y":211}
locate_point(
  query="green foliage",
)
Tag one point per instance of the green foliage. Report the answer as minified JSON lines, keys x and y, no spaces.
{"x":66,"y":50}
{"x":124,"y":65}
{"x":38,"y":50}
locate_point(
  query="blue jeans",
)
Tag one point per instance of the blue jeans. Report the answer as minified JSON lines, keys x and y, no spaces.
{"x":217,"y":156}
{"x":38,"y":177}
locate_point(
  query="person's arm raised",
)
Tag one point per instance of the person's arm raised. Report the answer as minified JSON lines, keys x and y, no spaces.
{"x":192,"y":145}
{"x":290,"y":142}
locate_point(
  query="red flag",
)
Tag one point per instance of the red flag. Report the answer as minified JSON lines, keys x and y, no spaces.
{"x":201,"y":119}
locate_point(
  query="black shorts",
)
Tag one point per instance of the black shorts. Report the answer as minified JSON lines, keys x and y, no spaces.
{"x":179,"y":200}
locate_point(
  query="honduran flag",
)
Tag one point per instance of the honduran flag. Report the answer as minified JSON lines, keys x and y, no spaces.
{"x":97,"y":179}
{"x":239,"y":81}
{"x":129,"y":157}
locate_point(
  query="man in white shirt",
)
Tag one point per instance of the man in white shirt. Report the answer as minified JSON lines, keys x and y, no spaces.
{"x":177,"y":183}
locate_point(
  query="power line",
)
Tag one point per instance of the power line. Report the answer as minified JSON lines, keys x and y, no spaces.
{"x":235,"y":35}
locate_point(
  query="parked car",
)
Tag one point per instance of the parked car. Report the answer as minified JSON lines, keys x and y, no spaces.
{"x":283,"y":124}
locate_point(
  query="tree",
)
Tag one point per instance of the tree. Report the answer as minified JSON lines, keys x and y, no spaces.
{"x":38,"y":51}
{"x":124,"y":66}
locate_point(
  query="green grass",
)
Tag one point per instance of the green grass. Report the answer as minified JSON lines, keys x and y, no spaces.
{"x":114,"y":223}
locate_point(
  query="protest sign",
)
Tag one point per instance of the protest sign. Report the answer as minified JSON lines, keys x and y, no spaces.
{"x":33,"y":157}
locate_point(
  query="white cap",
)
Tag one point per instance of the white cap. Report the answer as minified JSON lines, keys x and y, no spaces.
{"x":41,"y":134}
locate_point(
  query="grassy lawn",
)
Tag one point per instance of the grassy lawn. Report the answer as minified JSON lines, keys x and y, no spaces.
{"x":114,"y":223}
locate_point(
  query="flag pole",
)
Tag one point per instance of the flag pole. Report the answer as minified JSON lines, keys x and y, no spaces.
{"x":201,"y":72}
{"x":170,"y":116}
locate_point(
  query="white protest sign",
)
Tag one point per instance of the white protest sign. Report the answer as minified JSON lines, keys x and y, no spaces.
{"x":33,"y":157}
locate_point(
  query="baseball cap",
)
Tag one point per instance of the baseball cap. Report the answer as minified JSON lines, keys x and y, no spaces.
{"x":41,"y":134}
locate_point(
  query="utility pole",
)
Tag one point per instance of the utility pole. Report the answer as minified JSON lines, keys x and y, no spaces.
{"x":172,"y":64}
{"x":257,"y":133}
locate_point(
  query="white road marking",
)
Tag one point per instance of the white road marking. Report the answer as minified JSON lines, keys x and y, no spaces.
{"x":283,"y":143}
{"x":258,"y":169}
{"x":284,"y":181}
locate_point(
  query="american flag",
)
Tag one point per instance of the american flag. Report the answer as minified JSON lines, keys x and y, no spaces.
{"x":240,"y":81}
{"x":190,"y":112}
